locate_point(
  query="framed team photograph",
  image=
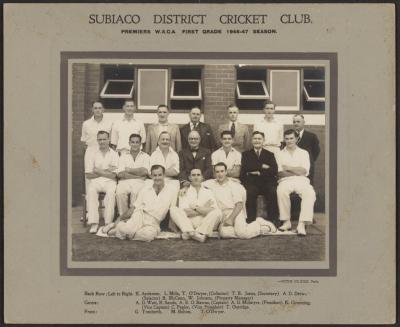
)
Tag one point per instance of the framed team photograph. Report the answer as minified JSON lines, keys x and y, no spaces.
{"x":190,"y":112}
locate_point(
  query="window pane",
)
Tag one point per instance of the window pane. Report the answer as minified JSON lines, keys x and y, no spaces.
{"x":117,"y":87}
{"x":152,"y":88}
{"x":314,"y":73}
{"x":285,"y":89}
{"x":118,"y":72}
{"x":186,"y":73}
{"x":315,"y":89}
{"x":251,"y":88}
{"x":186,"y":88}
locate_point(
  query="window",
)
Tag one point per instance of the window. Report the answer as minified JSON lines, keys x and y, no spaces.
{"x":314,"y":89}
{"x":285,"y":89}
{"x":117,"y":89}
{"x":152,"y":88}
{"x":248,"y":89}
{"x":186,"y":89}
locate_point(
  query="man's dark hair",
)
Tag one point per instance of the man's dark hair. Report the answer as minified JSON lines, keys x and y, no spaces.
{"x":154,"y":167}
{"x":97,"y":101}
{"x":266,"y":102}
{"x":135,"y":135}
{"x":162,"y":106}
{"x":226,"y":133}
{"x":291,"y":131}
{"x":258,"y":132}
{"x":129,"y":100}
{"x":103,"y":132}
{"x":221,"y":164}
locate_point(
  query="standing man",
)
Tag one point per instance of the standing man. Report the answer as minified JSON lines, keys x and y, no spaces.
{"x":194,"y":156}
{"x":133,"y":168}
{"x":293,"y":169}
{"x":90,"y":128}
{"x":228,"y":195}
{"x":272,"y":130}
{"x":142,"y":221}
{"x":228,"y":155}
{"x":197,"y":215}
{"x":258,"y":176}
{"x":123,"y":128}
{"x":154,"y":131}
{"x":101,"y":170}
{"x":307,"y":141}
{"x":206,"y":134}
{"x":240,"y":132}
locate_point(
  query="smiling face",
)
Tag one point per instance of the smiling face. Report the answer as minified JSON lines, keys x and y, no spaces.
{"x":164,"y":141}
{"x":298,"y":123}
{"x":226,"y":141}
{"x":196,"y":177}
{"x":129,"y":108}
{"x":257,"y":140}
{"x":103,"y":141}
{"x":195,"y":115}
{"x":290,"y":140}
{"x":194,"y":139}
{"x":233,"y":113}
{"x":220,"y":173}
{"x":157,"y":175}
{"x":162,"y":113}
{"x":135,"y":144}
{"x":97,"y":109}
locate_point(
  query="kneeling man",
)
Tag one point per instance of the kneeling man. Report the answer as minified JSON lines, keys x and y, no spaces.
{"x":197,"y":215}
{"x":150,"y":208}
{"x":230,"y":200}
{"x":293,"y":169}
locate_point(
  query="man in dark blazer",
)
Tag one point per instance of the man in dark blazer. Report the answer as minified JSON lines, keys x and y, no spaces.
{"x":258,"y":176}
{"x":307,"y":141}
{"x":206,"y":134}
{"x":194,"y":156}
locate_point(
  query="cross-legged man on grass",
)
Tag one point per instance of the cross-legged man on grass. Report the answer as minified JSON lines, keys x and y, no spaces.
{"x":142,"y":221}
{"x":198,"y":214}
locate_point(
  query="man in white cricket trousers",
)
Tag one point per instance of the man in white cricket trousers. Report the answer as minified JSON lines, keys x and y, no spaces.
{"x":150,"y":208}
{"x":230,"y":200}
{"x":90,"y":128}
{"x":101,"y":170}
{"x":198,"y":214}
{"x":133,"y":169}
{"x":293,"y":169}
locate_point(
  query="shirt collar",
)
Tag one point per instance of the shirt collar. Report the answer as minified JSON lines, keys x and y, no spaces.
{"x":133,"y":118}
{"x":94,"y":120}
{"x":159,"y":150}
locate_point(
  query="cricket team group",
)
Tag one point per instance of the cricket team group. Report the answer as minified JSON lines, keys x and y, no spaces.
{"x":205,"y":184}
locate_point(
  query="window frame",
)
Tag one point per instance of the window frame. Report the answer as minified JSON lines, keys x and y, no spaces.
{"x":149,"y":108}
{"x":103,"y":95}
{"x":186,"y":97}
{"x":308,"y":97}
{"x":296,"y":108}
{"x":252,"y":97}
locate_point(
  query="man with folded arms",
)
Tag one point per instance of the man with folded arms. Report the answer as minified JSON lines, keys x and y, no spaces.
{"x":197,"y":215}
{"x":258,"y":176}
{"x":142,"y":221}
{"x":133,"y":169}
{"x":228,"y":195}
{"x":101,"y":170}
{"x":293,"y":169}
{"x":194,"y":156}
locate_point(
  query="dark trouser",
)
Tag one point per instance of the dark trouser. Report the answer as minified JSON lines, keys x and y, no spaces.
{"x":269,"y":193}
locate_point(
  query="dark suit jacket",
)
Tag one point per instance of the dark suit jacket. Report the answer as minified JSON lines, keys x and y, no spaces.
{"x":201,"y":161}
{"x":309,"y":142}
{"x":206,"y":134}
{"x":250,"y":162}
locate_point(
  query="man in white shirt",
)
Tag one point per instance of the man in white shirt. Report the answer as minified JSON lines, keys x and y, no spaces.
{"x":293,"y":169}
{"x":229,"y":155}
{"x":142,"y":221}
{"x":133,"y":169}
{"x":273,"y":131}
{"x":123,"y":128}
{"x":228,"y":195}
{"x":101,"y":170}
{"x":197,"y":215}
{"x":90,"y":128}
{"x":154,"y":131}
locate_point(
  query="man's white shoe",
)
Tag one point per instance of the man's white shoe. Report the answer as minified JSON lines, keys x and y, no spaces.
{"x":93,"y":228}
{"x":266,"y":226}
{"x":199,"y":237}
{"x":185,"y":236}
{"x":301,"y":229}
{"x":287,"y":225}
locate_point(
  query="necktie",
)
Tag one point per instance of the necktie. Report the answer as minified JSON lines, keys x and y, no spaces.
{"x":258,"y":153}
{"x":233,"y":130}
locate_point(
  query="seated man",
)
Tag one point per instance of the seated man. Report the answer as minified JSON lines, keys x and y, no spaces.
{"x":228,"y":155}
{"x":133,"y":168}
{"x":198,"y":214}
{"x":150,"y":208}
{"x":293,"y":169}
{"x":258,"y":176}
{"x":101,"y":166}
{"x":194,"y":156}
{"x":165,"y":156}
{"x":230,"y":200}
